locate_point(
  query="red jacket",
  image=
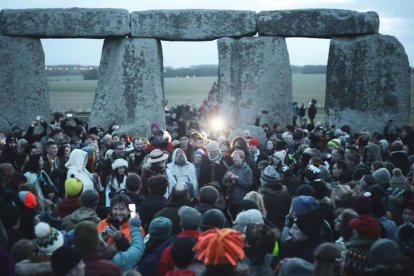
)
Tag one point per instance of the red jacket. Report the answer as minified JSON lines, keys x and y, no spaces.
{"x":96,"y":264}
{"x":166,"y":263}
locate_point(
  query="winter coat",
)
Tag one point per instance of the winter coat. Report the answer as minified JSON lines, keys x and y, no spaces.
{"x":149,"y":263}
{"x":302,"y":249}
{"x":123,"y":227}
{"x":166,"y":263}
{"x":96,"y":264}
{"x":82,"y":214}
{"x":150,"y":206}
{"x":171,"y":212}
{"x":38,"y":265}
{"x":356,"y":256}
{"x":210,"y":171}
{"x":400,"y":160}
{"x":40,"y":181}
{"x":147,"y":173}
{"x":277,"y":204}
{"x":242,"y":185}
{"x":185,"y":173}
{"x":129,"y":258}
{"x":67,"y":206}
{"x":113,"y":187}
{"x":76,"y":167}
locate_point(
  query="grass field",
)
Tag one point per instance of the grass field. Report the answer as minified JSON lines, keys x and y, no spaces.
{"x":75,"y":94}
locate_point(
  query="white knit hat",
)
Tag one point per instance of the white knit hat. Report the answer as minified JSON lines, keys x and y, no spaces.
{"x":48,"y":239}
{"x":119,"y":163}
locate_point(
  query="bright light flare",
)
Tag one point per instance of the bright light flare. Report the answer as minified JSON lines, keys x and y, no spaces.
{"x":217,"y":124}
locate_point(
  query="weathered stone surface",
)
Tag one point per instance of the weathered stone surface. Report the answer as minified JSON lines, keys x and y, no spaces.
{"x":192,"y":25}
{"x":254,"y":75}
{"x":322,"y":23}
{"x":24,"y":91}
{"x":73,"y":22}
{"x":130,"y":86}
{"x":368,"y":82}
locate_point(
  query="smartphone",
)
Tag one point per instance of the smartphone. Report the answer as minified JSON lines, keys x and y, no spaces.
{"x":132,"y":210}
{"x":265,"y":112}
{"x":69,"y":115}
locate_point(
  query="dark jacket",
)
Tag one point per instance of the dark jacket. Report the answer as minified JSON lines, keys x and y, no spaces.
{"x":96,"y":264}
{"x":82,"y":214}
{"x":149,"y":207}
{"x":67,"y":206}
{"x":149,"y":263}
{"x":277,"y":204}
{"x":211,"y":171}
{"x":171,"y":212}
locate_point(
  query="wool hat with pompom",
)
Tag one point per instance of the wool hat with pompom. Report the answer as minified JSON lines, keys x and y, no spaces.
{"x":48,"y":239}
{"x":28,"y":199}
{"x":73,"y":186}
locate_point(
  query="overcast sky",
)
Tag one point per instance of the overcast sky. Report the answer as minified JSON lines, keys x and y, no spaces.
{"x":396,"y":19}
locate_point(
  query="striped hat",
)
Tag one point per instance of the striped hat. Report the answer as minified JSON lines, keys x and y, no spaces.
{"x":48,"y":239}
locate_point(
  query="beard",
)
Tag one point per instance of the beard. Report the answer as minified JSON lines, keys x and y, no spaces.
{"x":180,"y":160}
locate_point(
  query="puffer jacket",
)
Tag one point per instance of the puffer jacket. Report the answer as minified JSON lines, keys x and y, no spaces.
{"x":82,"y":214}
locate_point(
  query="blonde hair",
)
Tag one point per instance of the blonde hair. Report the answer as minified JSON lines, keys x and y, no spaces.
{"x":340,"y":195}
{"x":258,"y":199}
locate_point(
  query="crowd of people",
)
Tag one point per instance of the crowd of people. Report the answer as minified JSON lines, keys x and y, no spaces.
{"x":309,"y":200}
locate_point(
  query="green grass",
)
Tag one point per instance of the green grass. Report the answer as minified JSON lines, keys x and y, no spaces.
{"x":73,"y":93}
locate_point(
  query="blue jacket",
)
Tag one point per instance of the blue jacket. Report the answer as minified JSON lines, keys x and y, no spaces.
{"x":129,"y":258}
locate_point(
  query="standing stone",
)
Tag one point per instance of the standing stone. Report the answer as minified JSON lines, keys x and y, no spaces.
{"x":192,"y":24}
{"x":70,"y":23}
{"x":130,"y":89}
{"x":368,"y":82}
{"x":322,"y":23}
{"x":24,"y":91}
{"x":254,"y":76}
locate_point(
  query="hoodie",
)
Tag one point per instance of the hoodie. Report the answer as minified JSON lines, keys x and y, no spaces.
{"x":184,"y":173}
{"x":82,"y":214}
{"x":76,"y":167}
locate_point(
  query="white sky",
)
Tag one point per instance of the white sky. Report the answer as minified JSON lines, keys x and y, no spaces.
{"x":396,"y":19}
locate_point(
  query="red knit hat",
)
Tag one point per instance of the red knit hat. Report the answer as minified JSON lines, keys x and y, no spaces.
{"x":255,"y":142}
{"x":366,"y":226}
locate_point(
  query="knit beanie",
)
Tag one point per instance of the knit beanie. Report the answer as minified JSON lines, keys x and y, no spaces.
{"x":28,"y":199}
{"x":384,"y":252}
{"x":119,"y":163}
{"x":48,"y":239}
{"x":213,"y":218}
{"x":312,"y":172}
{"x":366,"y":226}
{"x":260,"y":236}
{"x":64,"y":259}
{"x":305,"y":190}
{"x":295,"y":266}
{"x":304,"y":204}
{"x":382,"y":176}
{"x":73,"y":186}
{"x":247,"y":217}
{"x":89,"y":199}
{"x":398,"y":181}
{"x":85,"y":236}
{"x":334,"y":143}
{"x":327,"y":253}
{"x":310,"y":223}
{"x":213,"y":146}
{"x":269,"y":176}
{"x":190,"y":218}
{"x":160,"y":228}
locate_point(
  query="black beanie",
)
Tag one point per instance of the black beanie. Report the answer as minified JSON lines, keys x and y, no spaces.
{"x":9,"y":215}
{"x":64,"y":259}
{"x":310,"y":223}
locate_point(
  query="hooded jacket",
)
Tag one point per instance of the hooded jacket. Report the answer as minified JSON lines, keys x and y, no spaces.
{"x":184,"y":173}
{"x":82,"y":214}
{"x":76,"y":167}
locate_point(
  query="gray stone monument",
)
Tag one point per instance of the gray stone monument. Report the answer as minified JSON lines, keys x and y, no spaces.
{"x":323,"y":23}
{"x":24,"y":91}
{"x":130,"y":86}
{"x":192,"y":24}
{"x":74,"y":22}
{"x":368,"y":82}
{"x":254,"y":76}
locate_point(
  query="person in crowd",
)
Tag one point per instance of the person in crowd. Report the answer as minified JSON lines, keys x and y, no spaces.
{"x":156,"y":165}
{"x":86,"y":239}
{"x":70,"y":203}
{"x":343,"y":228}
{"x":115,"y":227}
{"x":208,"y":197}
{"x":328,"y":260}
{"x":76,"y":166}
{"x":27,"y":262}
{"x":197,"y":157}
{"x":67,"y":261}
{"x":183,"y":171}
{"x":137,"y":156}
{"x":133,"y":187}
{"x":239,"y":180}
{"x":185,"y":146}
{"x":161,"y":141}
{"x":117,"y":180}
{"x":384,"y":258}
{"x":88,"y":203}
{"x":212,"y":167}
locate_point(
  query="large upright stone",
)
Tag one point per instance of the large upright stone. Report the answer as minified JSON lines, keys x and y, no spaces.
{"x":24,"y":91}
{"x":367,"y":82}
{"x":254,"y":76}
{"x":61,"y":23}
{"x":192,"y":25}
{"x":130,"y":87}
{"x":319,"y":23}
